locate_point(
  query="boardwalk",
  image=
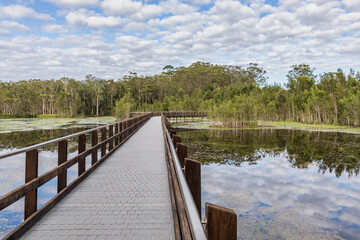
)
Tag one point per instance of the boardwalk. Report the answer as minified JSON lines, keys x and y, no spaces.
{"x":127,"y":197}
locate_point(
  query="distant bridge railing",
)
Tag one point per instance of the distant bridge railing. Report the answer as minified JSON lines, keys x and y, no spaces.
{"x":185,"y":192}
{"x":110,"y":141}
{"x":172,"y":114}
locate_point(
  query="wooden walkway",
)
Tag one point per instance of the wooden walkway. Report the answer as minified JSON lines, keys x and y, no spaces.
{"x":127,"y":197}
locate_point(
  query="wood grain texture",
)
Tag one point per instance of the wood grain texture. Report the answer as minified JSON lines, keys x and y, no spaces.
{"x":103,"y":138}
{"x":81,"y":149}
{"x":182,"y":153}
{"x":31,"y":172}
{"x":221,"y":223}
{"x":62,"y":157}
{"x":193,"y":179}
{"x":94,"y":142}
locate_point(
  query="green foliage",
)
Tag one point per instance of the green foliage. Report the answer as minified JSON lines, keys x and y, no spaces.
{"x":124,"y":106}
{"x":235,"y":95}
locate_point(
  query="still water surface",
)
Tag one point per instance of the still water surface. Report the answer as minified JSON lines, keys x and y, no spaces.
{"x":283,"y":184}
{"x":18,"y":133}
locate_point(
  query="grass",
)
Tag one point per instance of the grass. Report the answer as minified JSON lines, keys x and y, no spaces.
{"x":208,"y":124}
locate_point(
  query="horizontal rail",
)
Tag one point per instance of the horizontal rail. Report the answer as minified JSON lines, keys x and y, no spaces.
{"x":36,"y":146}
{"x":21,"y":191}
{"x":125,"y":133}
{"x":196,"y":227}
{"x":170,"y":114}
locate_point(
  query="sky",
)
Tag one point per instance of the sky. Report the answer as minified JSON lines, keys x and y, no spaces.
{"x":50,"y":39}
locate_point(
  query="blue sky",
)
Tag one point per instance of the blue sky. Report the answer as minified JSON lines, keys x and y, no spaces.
{"x":49,"y":39}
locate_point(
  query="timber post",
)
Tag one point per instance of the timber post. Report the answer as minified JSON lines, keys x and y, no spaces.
{"x":176,"y":139}
{"x":193,"y":179}
{"x":31,"y":172}
{"x":62,"y":157}
{"x":111,"y":133}
{"x":94,"y":141}
{"x":81,"y":148}
{"x":181,"y":151}
{"x":116,"y":132}
{"x":103,"y":138}
{"x":221,"y":222}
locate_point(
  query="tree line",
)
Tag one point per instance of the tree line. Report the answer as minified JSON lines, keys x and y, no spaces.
{"x":236,"y":95}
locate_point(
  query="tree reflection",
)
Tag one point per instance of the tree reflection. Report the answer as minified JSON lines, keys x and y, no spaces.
{"x":329,"y":151}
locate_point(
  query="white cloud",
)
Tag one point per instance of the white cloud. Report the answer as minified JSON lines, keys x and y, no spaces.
{"x":74,"y":3}
{"x":133,"y":9}
{"x":352,"y":5}
{"x":318,"y":32}
{"x":54,"y":28}
{"x":85,"y":18}
{"x":120,"y":8}
{"x":198,"y":2}
{"x":7,"y":27}
{"x":19,"y":11}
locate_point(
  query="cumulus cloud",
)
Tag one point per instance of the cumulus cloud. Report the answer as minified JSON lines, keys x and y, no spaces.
{"x":86,"y":18}
{"x":7,"y":27}
{"x":135,"y":10}
{"x":150,"y":35}
{"x":54,"y":28}
{"x":74,"y":3}
{"x":352,"y":5}
{"x":19,"y":11}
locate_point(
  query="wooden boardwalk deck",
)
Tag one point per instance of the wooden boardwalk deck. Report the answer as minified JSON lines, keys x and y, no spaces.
{"x":127,"y":197}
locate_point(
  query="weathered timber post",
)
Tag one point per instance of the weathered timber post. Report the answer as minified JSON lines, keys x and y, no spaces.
{"x":81,"y":148}
{"x":111,"y":132}
{"x":31,"y":172}
{"x":126,"y":128}
{"x":120,"y":129}
{"x":181,"y":151}
{"x":94,"y":142}
{"x":103,"y":138}
{"x":172,"y":133}
{"x":62,"y":157}
{"x":116,"y":132}
{"x":176,"y":139}
{"x":221,"y":223}
{"x":193,"y":179}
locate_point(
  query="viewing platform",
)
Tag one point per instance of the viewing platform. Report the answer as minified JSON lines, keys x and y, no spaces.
{"x":140,"y":185}
{"x":127,"y":197}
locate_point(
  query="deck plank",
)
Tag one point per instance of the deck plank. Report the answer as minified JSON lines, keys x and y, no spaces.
{"x":127,"y":197}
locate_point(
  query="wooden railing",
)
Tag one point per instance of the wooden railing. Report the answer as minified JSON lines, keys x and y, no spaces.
{"x":118,"y":133}
{"x":172,"y":114}
{"x":185,"y":191}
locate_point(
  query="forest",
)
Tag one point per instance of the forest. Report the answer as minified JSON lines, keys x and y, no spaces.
{"x":237,"y":96}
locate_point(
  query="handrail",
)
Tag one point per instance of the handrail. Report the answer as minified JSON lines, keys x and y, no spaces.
{"x":32,"y":214}
{"x":36,"y":146}
{"x":196,"y":227}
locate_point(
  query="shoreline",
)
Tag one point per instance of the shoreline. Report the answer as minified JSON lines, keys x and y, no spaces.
{"x":273,"y":125}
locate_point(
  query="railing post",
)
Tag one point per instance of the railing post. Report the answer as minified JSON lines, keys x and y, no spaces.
{"x":193,"y":179}
{"x":62,"y":157}
{"x":127,"y":128}
{"x":121,"y":126}
{"x":31,"y":172}
{"x":221,"y":222}
{"x":172,"y":133}
{"x":111,"y":132}
{"x":181,"y":151}
{"x":94,"y":142}
{"x":176,"y":139}
{"x":116,"y":132}
{"x":82,"y":144}
{"x":103,"y":138}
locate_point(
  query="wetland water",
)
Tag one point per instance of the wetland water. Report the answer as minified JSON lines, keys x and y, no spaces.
{"x":283,"y":184}
{"x":19,"y":133}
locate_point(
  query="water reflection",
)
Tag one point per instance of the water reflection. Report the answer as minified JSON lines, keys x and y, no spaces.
{"x":12,"y":173}
{"x":283,"y":184}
